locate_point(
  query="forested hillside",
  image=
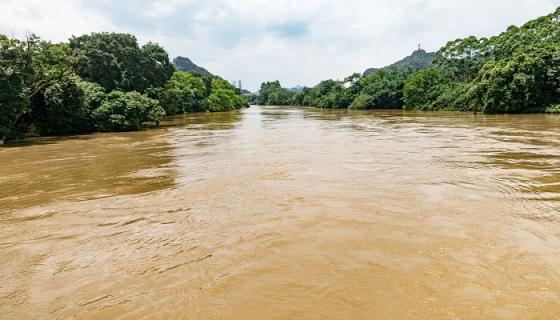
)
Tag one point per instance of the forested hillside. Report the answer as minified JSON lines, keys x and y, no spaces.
{"x":97,"y":82}
{"x":419,"y":60}
{"x":517,"y":71}
{"x":185,"y":64}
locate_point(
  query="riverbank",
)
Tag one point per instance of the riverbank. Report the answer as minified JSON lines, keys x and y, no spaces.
{"x":168,"y":121}
{"x":513,"y":72}
{"x":173,"y":120}
{"x":104,"y":82}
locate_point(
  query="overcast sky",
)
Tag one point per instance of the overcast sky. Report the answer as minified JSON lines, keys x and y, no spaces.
{"x":296,"y":42}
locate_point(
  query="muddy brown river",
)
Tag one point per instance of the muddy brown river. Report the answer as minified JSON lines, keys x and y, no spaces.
{"x":286,"y":213}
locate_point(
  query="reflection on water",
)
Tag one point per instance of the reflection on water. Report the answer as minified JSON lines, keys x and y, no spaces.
{"x":282,"y":213}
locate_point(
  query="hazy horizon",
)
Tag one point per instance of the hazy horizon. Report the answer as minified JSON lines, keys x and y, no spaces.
{"x":256,"y":41}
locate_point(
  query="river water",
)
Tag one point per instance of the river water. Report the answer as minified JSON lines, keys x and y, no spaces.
{"x":286,"y":213}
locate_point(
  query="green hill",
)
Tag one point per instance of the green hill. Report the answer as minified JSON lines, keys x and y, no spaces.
{"x":185,"y":64}
{"x":419,"y":60}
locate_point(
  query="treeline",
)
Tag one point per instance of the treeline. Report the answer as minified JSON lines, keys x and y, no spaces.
{"x":517,"y":71}
{"x":98,"y":82}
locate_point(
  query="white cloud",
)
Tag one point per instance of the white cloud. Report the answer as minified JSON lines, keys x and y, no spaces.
{"x":160,"y":9}
{"x":52,"y":20}
{"x":297,"y":42}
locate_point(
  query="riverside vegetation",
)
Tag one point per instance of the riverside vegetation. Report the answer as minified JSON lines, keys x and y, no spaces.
{"x":98,"y":82}
{"x":517,"y":71}
{"x":108,"y":82}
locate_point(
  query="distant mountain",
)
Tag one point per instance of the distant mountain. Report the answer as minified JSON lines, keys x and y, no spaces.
{"x":185,"y":64}
{"x":419,"y":59}
{"x":296,"y":89}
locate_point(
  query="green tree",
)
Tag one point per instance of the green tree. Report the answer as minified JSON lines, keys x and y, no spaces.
{"x":125,"y":111}
{"x":330,"y":94}
{"x":224,"y":97}
{"x":521,"y":83}
{"x":27,"y":69}
{"x":381,"y":89}
{"x":185,"y":92}
{"x":156,"y":67}
{"x":363,"y":101}
{"x":462,"y":59}
{"x":424,"y":88}
{"x":116,"y":61}
{"x":60,"y":109}
{"x":96,"y":82}
{"x":16,"y":76}
{"x":272,"y":93}
{"x":456,"y":97}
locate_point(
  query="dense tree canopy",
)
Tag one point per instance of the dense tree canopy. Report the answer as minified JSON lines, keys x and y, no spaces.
{"x":272,"y":93}
{"x":383,"y":88}
{"x":101,"y":81}
{"x":329,"y":94}
{"x":116,"y":61}
{"x":107,"y":81}
{"x":516,"y":71}
{"x":185,"y":92}
{"x":123,"y":111}
{"x":422,"y":90}
{"x":34,"y":76}
{"x":522,"y":82}
{"x":223,"y":97}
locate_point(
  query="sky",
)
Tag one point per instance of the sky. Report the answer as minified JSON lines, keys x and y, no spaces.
{"x":297,"y":42}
